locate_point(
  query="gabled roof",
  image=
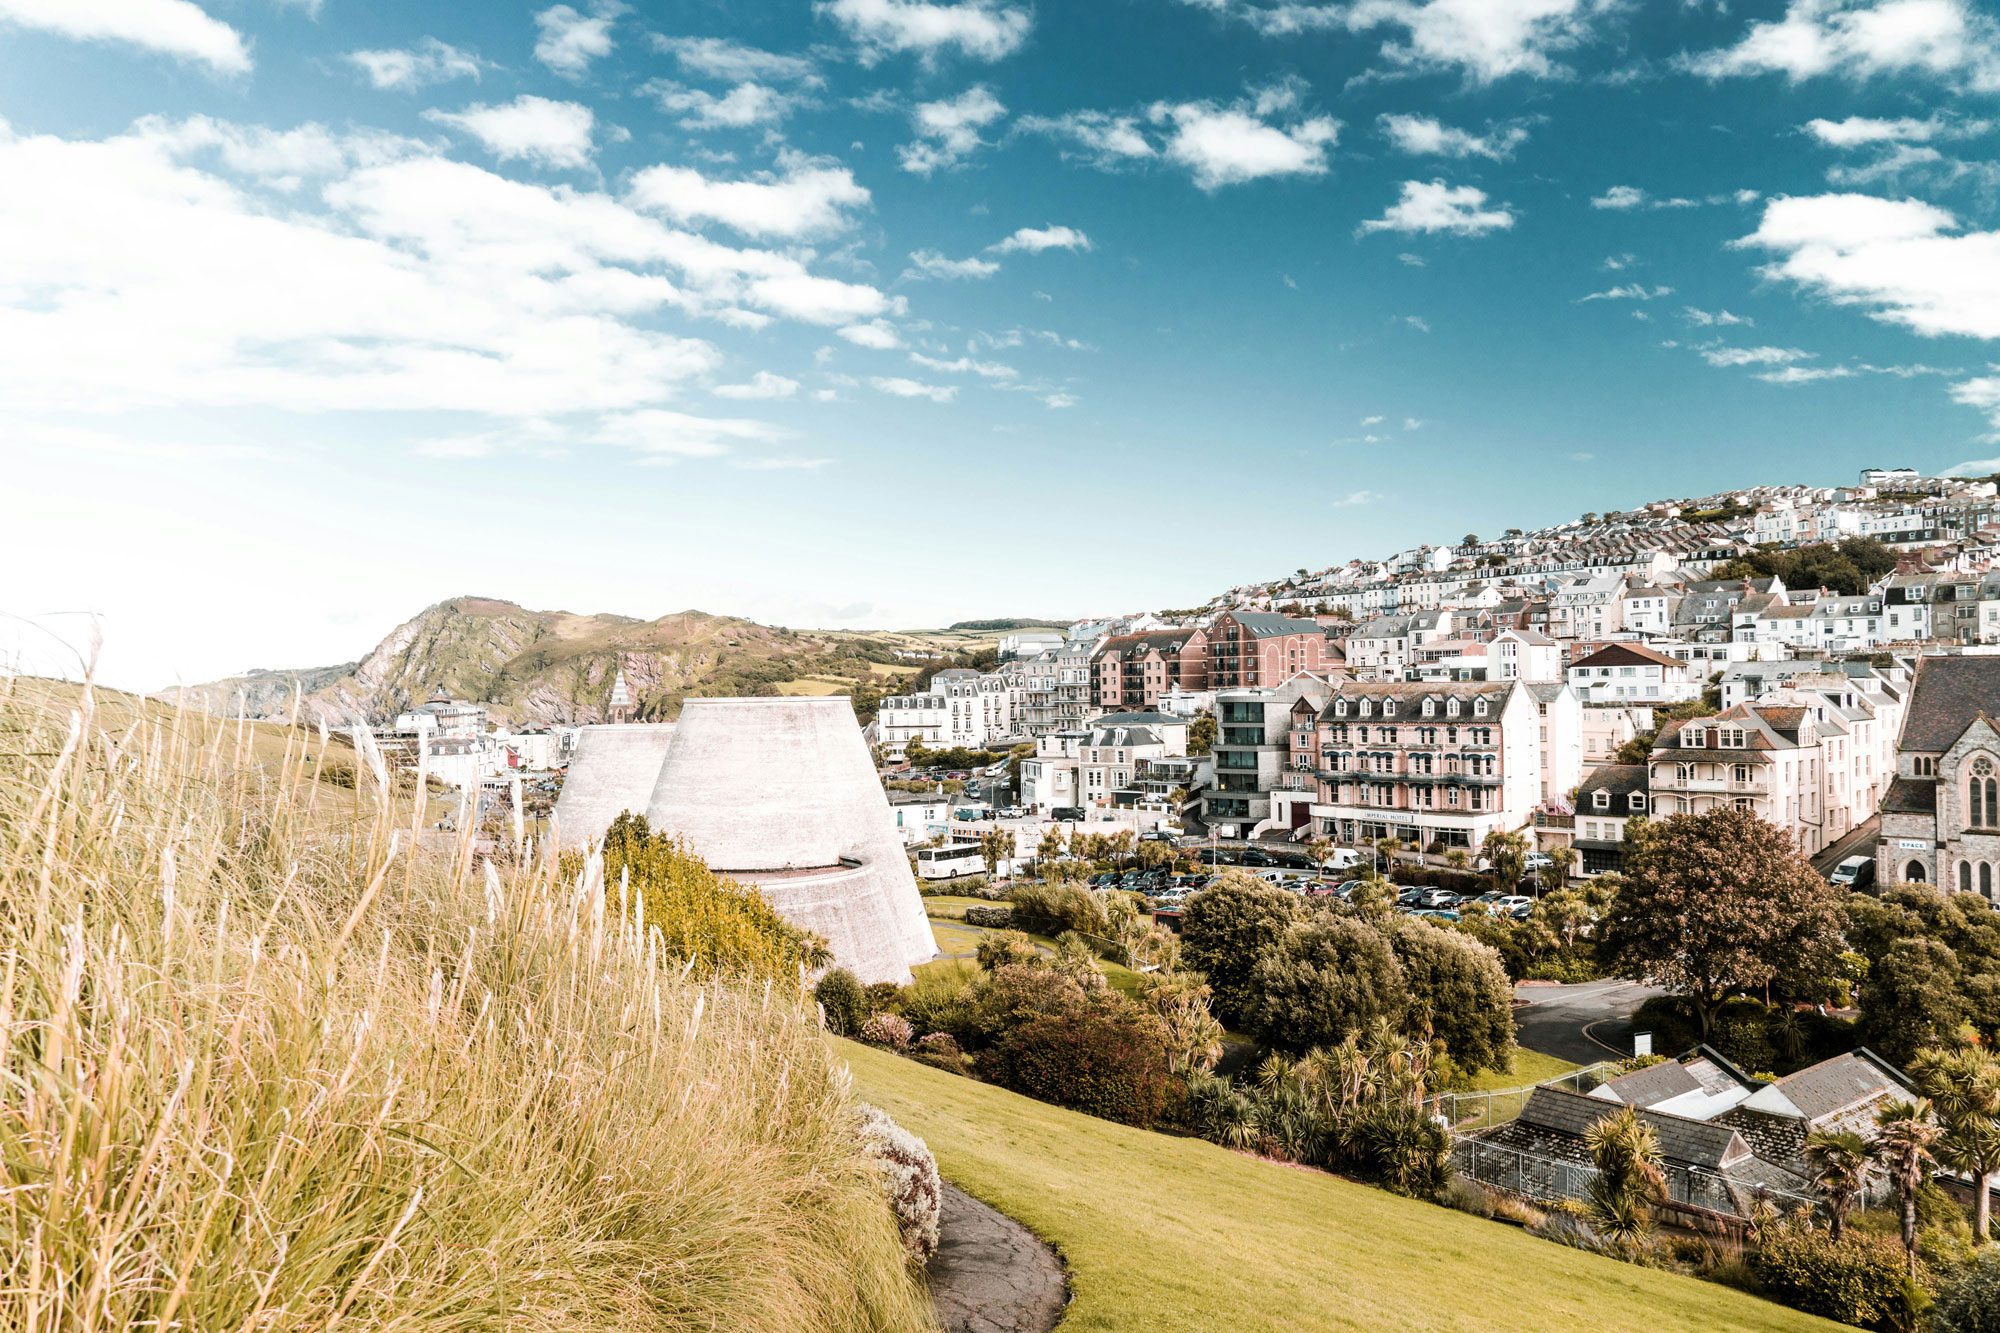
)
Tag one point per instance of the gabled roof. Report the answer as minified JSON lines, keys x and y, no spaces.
{"x":1832,"y":1086}
{"x":1949,"y":692}
{"x":1621,"y":780}
{"x":1911,"y":796}
{"x":1269,"y":624}
{"x":1625,"y":654}
{"x":1682,"y":1140}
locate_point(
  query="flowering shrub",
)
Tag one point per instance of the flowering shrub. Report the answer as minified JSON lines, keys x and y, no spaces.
{"x":910,"y":1179}
{"x":891,"y":1030}
{"x":939,"y":1050}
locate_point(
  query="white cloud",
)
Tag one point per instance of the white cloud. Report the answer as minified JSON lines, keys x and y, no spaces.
{"x":744,"y":106}
{"x":1417,"y":322}
{"x":948,"y":130}
{"x":1425,"y":136}
{"x":1625,"y":198}
{"x":534,"y":129}
{"x":1034,"y":240}
{"x":1713,"y":318}
{"x":172,"y":267}
{"x":980,"y":29}
{"x":429,"y":62}
{"x":965,"y":365}
{"x":1227,"y":145}
{"x":1866,"y":131}
{"x":1432,"y":207}
{"x":177,"y":28}
{"x":931,"y":264}
{"x":1984,"y":394}
{"x":661,"y":436}
{"x":1753,"y":356}
{"x":1371,"y":421}
{"x":898,"y":387}
{"x":1059,"y":399}
{"x":1414,"y":261}
{"x":570,"y":39}
{"x":877,"y":335}
{"x":1486,"y":39}
{"x":805,"y":197}
{"x":1804,"y":374}
{"x":1946,"y":39}
{"x":1631,"y":291}
{"x":1903,"y":261}
{"x":763,"y":384}
{"x":732,"y":62}
{"x":1104,"y":139}
{"x":1356,"y":498}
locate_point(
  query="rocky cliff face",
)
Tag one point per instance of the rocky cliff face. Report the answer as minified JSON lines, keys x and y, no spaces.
{"x":539,"y":667}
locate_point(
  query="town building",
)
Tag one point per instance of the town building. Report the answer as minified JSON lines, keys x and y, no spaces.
{"x":1261,"y":649}
{"x":1091,"y":767}
{"x":1257,"y":784}
{"x":958,"y":708}
{"x":1632,"y":673}
{"x":1435,"y":764}
{"x":1941,"y":816}
{"x":1559,"y":736}
{"x":1134,"y":670}
{"x":1610,"y":796}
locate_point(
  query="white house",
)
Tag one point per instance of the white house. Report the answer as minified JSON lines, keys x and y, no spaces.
{"x":1632,"y":673}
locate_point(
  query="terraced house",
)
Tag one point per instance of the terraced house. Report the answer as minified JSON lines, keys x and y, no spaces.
{"x":1436,"y":764}
{"x":1134,"y":670}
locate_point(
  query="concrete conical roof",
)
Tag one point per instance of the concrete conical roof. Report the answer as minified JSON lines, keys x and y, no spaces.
{"x":782,"y":793}
{"x":613,"y":770}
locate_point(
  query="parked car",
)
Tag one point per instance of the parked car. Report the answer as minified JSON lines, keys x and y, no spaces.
{"x":1511,"y":904}
{"x":1410,"y":897}
{"x":1856,"y":872}
{"x":1438,"y":899}
{"x":1255,"y":856}
{"x":1437,"y":913}
{"x":1536,"y":861}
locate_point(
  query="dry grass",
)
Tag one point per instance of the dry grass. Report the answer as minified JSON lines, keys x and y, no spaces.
{"x":267,"y":1070}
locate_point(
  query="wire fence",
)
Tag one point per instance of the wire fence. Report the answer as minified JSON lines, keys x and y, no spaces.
{"x":1470,"y":1112}
{"x":1548,"y":1179}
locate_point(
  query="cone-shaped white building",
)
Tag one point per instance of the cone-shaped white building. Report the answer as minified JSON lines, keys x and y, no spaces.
{"x":782,"y":793}
{"x":614,"y":769}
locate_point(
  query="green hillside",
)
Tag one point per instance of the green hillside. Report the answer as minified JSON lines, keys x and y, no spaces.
{"x":1165,"y":1233}
{"x":533,"y":667}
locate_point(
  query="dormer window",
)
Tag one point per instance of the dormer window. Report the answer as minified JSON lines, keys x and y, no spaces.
{"x":1340,"y":709}
{"x":1430,"y":707}
{"x":1388,"y":708}
{"x":1694,"y":738}
{"x":1480,"y":708}
{"x":1451,"y":709}
{"x":1638,"y":801}
{"x":1364,"y":708}
{"x":1602,"y":799}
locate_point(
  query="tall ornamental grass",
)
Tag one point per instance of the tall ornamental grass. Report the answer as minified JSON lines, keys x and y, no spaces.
{"x":274,"y":1061}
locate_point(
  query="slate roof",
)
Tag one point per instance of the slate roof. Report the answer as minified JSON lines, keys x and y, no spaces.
{"x":1949,"y":692}
{"x":1621,"y":780}
{"x":1269,"y":624}
{"x":1835,"y":1085}
{"x":1911,"y":796}
{"x":1653,"y":1084}
{"x":1688,"y":1142}
{"x":1138,"y":720}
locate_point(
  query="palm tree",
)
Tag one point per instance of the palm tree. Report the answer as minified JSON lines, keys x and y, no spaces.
{"x":1561,"y":857}
{"x":1964,"y":1088}
{"x":1904,"y":1137}
{"x":1628,"y":1181}
{"x":1508,"y":852}
{"x":1838,"y":1164}
{"x":995,"y":845}
{"x":1317,"y":848}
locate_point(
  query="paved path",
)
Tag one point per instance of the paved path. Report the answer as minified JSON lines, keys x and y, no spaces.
{"x":1583,"y":1024}
{"x":1859,"y":839}
{"x":990,"y":1274}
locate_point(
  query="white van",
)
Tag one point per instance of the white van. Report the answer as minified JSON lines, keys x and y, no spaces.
{"x":1342,"y":858}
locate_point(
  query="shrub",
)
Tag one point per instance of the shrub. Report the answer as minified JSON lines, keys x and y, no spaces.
{"x":1970,"y":1301}
{"x":1324,"y":979}
{"x":994,"y":918}
{"x":715,"y":923}
{"x":1458,"y":991}
{"x":1226,"y":928}
{"x":1857,"y":1280}
{"x":842,"y":1002}
{"x":910,"y":1178}
{"x":1050,"y":909}
{"x":891,"y":1030}
{"x":384,"y":1083}
{"x":1013,"y":994}
{"x":939,"y":1050}
{"x":1098,"y":1061}
{"x":936,"y":1000}
{"x":1005,"y":948}
{"x":1462,"y":882}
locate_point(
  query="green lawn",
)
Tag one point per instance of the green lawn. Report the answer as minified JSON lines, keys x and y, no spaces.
{"x":1530,"y":1067}
{"x":1165,"y":1233}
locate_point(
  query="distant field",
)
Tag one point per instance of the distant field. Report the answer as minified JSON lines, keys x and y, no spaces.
{"x":1165,"y":1233}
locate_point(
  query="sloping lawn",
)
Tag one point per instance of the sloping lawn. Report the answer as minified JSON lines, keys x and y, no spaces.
{"x":1164,"y":1233}
{"x":1530,"y":1067}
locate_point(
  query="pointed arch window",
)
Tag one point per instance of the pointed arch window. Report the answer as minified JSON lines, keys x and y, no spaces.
{"x":1986,"y":880}
{"x":1982,"y":795}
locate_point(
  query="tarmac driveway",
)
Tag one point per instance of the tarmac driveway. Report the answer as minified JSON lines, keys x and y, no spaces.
{"x":1582,"y":1024}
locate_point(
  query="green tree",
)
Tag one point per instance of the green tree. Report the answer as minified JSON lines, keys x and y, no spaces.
{"x":1837,"y":1164}
{"x":1903,"y":1142}
{"x":1225,"y":929}
{"x":1201,"y":734}
{"x":1561,"y":857}
{"x":1507,"y":853}
{"x":1626,"y":1152}
{"x":1050,"y":848}
{"x":1325,"y":979}
{"x":1963,"y":1086}
{"x":1720,"y":903}
{"x":995,"y":846}
{"x":1458,"y":993}
{"x":1913,"y":998}
{"x":1193,"y":1033}
{"x":842,"y":1001}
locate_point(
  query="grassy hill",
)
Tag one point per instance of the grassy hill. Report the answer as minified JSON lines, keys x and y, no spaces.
{"x":536,"y":667}
{"x":1173,"y":1233}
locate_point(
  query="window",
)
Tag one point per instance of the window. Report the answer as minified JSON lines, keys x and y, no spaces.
{"x":1965,"y":877}
{"x":1340,"y":708}
{"x":1601,"y":799}
{"x":1740,"y":774}
{"x":1925,"y":766}
{"x":1430,"y":707}
{"x":1388,"y":708}
{"x":1986,"y":879}
{"x":1982,"y":797}
{"x":1683,"y":773}
{"x":1695,"y":738}
{"x":1638,"y":801}
{"x":1451,"y":709}
{"x":1480,"y":708}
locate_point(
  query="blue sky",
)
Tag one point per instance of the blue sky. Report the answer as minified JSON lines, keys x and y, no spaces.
{"x":884,"y":312}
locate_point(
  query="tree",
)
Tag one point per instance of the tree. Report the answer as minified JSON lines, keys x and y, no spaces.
{"x":1964,"y":1089}
{"x":1837,"y":1163}
{"x":1626,"y":1152}
{"x":1904,"y":1138}
{"x":1720,"y":903}
{"x":1561,"y":857}
{"x":1325,"y":979}
{"x":1458,"y":991}
{"x":1913,"y":998}
{"x":1193,"y":1033}
{"x":995,"y":846}
{"x":1508,"y":855}
{"x":1201,"y":734}
{"x":1317,"y":849}
{"x":1225,"y":929}
{"x":1119,"y":845}
{"x":1050,"y":848}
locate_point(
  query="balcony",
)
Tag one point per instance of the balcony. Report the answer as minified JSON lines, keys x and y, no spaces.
{"x":1551,"y":820}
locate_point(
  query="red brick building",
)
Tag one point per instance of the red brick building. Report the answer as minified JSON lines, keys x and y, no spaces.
{"x":1263,"y":648}
{"x":1131,"y":671}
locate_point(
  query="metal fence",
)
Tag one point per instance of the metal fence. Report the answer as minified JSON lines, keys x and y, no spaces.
{"x":1470,"y":1112}
{"x":1533,"y":1176}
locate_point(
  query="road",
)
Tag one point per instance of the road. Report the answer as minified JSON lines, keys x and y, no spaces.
{"x":1582,"y":1024}
{"x":1860,"y":839}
